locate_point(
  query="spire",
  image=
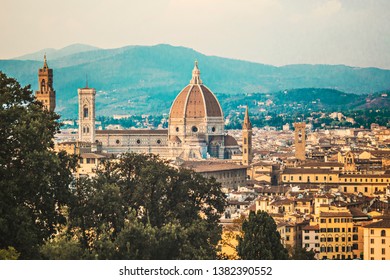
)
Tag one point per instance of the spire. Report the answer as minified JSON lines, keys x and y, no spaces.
{"x":247,"y":122}
{"x":196,"y":75}
{"x":45,"y":62}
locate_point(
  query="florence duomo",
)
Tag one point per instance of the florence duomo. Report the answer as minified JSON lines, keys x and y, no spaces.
{"x":195,"y":130}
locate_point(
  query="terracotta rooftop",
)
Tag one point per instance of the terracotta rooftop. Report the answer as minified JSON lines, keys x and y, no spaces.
{"x":211,"y":166}
{"x":308,"y":171}
{"x":380,"y":224}
{"x":309,"y":227}
{"x":195,"y":100}
{"x":335,"y":214}
{"x":322,"y":164}
{"x":230,"y":141}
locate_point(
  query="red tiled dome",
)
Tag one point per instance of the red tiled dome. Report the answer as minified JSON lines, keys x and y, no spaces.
{"x":195,"y":101}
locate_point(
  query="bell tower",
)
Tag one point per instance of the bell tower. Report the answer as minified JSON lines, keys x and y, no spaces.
{"x":87,"y":114}
{"x":46,"y":94}
{"x":300,"y":140}
{"x":246,"y":139}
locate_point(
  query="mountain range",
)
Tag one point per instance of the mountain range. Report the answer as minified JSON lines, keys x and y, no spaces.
{"x":145,"y":79}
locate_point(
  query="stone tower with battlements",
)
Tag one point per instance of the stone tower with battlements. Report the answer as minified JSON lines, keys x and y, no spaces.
{"x":300,"y":140}
{"x":46,"y":94}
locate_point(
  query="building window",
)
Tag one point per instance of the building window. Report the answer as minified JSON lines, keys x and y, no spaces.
{"x":372,"y":231}
{"x":88,"y":160}
{"x":383,"y":241}
{"x":383,"y":251}
{"x":316,"y":178}
{"x":159,"y":141}
{"x":117,"y":141}
{"x":244,"y":140}
{"x":194,"y":129}
{"x":300,"y":178}
{"x":177,"y":129}
{"x":365,"y":189}
{"x":355,"y":189}
{"x":383,"y":232}
{"x":85,"y":112}
{"x":213,"y":130}
{"x":372,"y":251}
{"x":138,"y":141}
{"x":307,"y":237}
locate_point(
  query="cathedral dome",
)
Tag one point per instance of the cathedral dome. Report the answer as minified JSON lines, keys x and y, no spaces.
{"x":195,"y":100}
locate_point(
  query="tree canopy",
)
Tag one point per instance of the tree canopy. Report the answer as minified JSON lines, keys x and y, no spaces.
{"x":260,"y":240}
{"x":34,"y":179}
{"x":138,"y":207}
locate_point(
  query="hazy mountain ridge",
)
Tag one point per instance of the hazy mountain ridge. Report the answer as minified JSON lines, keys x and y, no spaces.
{"x":125,"y":77}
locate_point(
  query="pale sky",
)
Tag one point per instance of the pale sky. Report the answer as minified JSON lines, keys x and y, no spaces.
{"x":277,"y":32}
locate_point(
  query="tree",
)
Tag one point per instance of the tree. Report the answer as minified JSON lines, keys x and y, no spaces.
{"x":34,"y":179}
{"x":299,"y":253}
{"x":138,"y":207}
{"x":260,"y":240}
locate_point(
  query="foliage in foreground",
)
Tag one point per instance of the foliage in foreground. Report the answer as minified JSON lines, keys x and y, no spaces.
{"x":260,"y":240}
{"x":34,"y":184}
{"x":138,"y":207}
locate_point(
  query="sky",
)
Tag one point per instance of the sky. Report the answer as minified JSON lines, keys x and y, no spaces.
{"x":276,"y":32}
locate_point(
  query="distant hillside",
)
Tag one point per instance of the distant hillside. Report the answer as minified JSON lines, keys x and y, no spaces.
{"x":55,"y":54}
{"x":139,"y":79}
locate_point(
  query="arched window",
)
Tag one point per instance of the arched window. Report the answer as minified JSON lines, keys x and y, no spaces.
{"x":383,"y":232}
{"x":43,"y":85}
{"x":85,"y":112}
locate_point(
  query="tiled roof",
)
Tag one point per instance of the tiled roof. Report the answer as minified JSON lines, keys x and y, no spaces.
{"x":309,"y":227}
{"x":195,"y":101}
{"x":210,"y":166}
{"x":230,"y":141}
{"x":385,"y":223}
{"x":308,"y":171}
{"x":335,"y":214}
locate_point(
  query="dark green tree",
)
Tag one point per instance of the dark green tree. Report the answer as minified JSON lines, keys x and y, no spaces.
{"x":299,"y":253}
{"x":138,"y":207}
{"x":34,"y":179}
{"x":260,"y":240}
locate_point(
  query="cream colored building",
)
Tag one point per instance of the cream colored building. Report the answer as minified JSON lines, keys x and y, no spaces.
{"x":335,"y":234}
{"x":377,"y":240}
{"x":310,"y":238}
{"x":230,"y":175}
